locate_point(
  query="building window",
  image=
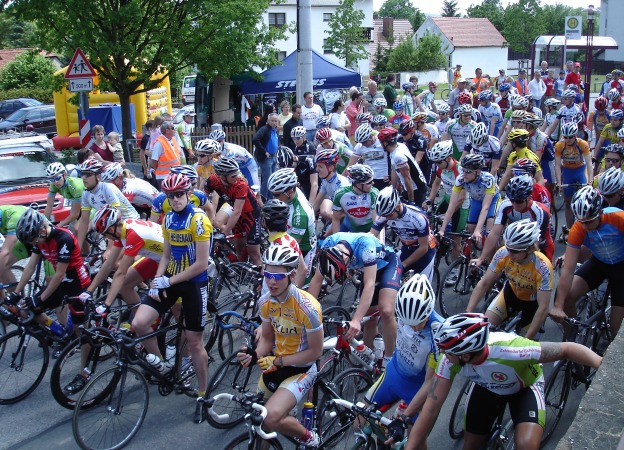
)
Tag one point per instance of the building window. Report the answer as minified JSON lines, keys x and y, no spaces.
{"x":327,"y":17}
{"x":277,"y":19}
{"x":326,"y":48}
{"x":281,"y":56}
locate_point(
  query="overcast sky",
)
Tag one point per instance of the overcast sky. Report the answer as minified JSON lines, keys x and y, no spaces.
{"x":435,"y":6}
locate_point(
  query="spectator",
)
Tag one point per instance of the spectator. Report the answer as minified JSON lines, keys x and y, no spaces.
{"x":269,"y":108}
{"x":165,"y":152}
{"x":113,"y":141}
{"x":537,"y":88}
{"x":100,"y":146}
{"x":500,"y":79}
{"x":457,"y":75}
{"x":550,"y":84}
{"x":559,"y":84}
{"x":338,"y":120}
{"x":544,"y":70}
{"x":606,"y":86}
{"x":294,"y":121}
{"x":389,"y":91}
{"x":521,"y":84}
{"x":309,"y":113}
{"x":452,"y":98}
{"x":266,"y":143}
{"x":477,"y":79}
{"x":185,"y":131}
{"x":371,"y":95}
{"x":574,"y":77}
{"x":355,"y":107}
{"x":284,"y":116}
{"x":569,"y":67}
{"x":144,"y":154}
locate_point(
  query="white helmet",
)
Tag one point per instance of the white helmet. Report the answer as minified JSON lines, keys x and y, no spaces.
{"x":440,"y":151}
{"x":611,"y":181}
{"x":521,"y":235}
{"x":415,"y":300}
{"x":586,"y":203}
{"x":112,"y":172}
{"x":54,"y":169}
{"x":620,"y":133}
{"x":387,"y":201}
{"x":380,"y":102}
{"x":613,"y":95}
{"x":363,"y":133}
{"x":479,"y":134}
{"x":282,"y":180}
{"x":280,"y":255}
{"x":298,"y":132}
{"x":520,"y":102}
{"x":463,"y":333}
{"x":569,"y":93}
{"x":444,"y":108}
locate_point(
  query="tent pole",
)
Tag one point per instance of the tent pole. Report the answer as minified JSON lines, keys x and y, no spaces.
{"x":304,"y":49}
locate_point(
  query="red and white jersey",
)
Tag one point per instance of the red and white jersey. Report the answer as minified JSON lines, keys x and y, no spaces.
{"x":141,"y":237}
{"x":139,"y":192}
{"x":281,"y":238}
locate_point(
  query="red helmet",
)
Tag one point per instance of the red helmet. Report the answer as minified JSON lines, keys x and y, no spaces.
{"x":324,"y":134}
{"x":432,"y":84}
{"x":176,"y":182}
{"x":388,"y":135}
{"x":91,"y":165}
{"x":464,"y":98}
{"x":601,"y":103}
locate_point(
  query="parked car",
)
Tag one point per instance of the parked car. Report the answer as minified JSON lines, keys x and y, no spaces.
{"x":23,"y":180}
{"x":42,"y":118}
{"x":188,"y":89}
{"x":8,"y":107}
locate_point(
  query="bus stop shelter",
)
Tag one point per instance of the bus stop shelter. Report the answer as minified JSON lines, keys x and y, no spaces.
{"x":546,"y":42}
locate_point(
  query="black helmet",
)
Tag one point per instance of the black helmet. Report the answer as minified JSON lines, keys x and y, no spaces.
{"x":276,"y":213}
{"x":29,"y":224}
{"x":472,"y":161}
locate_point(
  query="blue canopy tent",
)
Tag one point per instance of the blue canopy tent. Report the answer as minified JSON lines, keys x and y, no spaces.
{"x":325,"y":75}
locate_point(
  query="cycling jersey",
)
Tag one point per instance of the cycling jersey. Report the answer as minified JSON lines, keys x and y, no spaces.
{"x":606,"y":243}
{"x":524,"y":152}
{"x":141,"y":238}
{"x":527,"y":277}
{"x":365,"y":249}
{"x":427,"y":99}
{"x":161,"y":202}
{"x":447,"y":179}
{"x":344,"y":155}
{"x":408,"y":100}
{"x":542,"y":195}
{"x":549,"y":119}
{"x":358,"y":208}
{"x":375,"y":157}
{"x":183,"y":230}
{"x":441,"y":125}
{"x":459,"y":134}
{"x":490,"y":150}
{"x":511,"y":363}
{"x":572,"y":156}
{"x":301,"y":222}
{"x":482,"y":185}
{"x":400,"y":158}
{"x":205,"y":170}
{"x":246,"y":163}
{"x":62,"y":247}
{"x":492,"y":111}
{"x":566,"y":113}
{"x":539,"y":143}
{"x":291,"y":319}
{"x":504,"y":104}
{"x":9,"y":216}
{"x":139,"y":192}
{"x":409,"y":227}
{"x":240,"y":190}
{"x":305,"y":166}
{"x":395,"y":120}
{"x":600,"y":120}
{"x":609,"y":134}
{"x":106,"y":194}
{"x":71,"y":190}
{"x":330,"y":185}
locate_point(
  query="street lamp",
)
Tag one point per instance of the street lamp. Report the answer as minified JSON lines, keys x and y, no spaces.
{"x":588,"y":52}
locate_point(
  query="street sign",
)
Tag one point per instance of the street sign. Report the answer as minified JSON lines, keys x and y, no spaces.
{"x":79,"y":67}
{"x":81,"y":84}
{"x":573,"y":27}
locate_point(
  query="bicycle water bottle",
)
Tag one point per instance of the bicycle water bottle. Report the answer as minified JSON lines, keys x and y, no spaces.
{"x":307,"y":415}
{"x":364,"y":352}
{"x":379,"y":347}
{"x":170,"y":352}
{"x":400,"y":410}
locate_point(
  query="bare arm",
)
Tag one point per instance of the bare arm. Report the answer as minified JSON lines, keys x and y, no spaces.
{"x":491,"y":242}
{"x":480,"y":290}
{"x":556,"y":351}
{"x":438,"y":391}
{"x":74,"y":213}
{"x":407,"y":177}
{"x":118,"y":279}
{"x":106,"y":269}
{"x":485,"y":207}
{"x":543,"y":304}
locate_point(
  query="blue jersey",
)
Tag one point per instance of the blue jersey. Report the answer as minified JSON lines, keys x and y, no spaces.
{"x":414,"y":349}
{"x":161,"y":204}
{"x":366,"y":250}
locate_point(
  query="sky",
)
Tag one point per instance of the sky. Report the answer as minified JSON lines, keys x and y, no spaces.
{"x":435,"y":6}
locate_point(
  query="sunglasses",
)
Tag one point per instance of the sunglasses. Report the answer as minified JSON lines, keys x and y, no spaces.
{"x":178,"y":194}
{"x":513,"y":251}
{"x":276,"y":276}
{"x":588,"y":220}
{"x":202,"y":155}
{"x":517,"y":201}
{"x":519,"y":173}
{"x":469,"y":171}
{"x":569,"y":137}
{"x":612,"y":160}
{"x":56,"y":178}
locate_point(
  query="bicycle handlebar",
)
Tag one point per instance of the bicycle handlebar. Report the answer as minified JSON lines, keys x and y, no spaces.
{"x":255,"y":406}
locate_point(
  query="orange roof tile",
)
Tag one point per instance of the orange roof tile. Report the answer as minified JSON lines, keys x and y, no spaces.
{"x":469,"y":32}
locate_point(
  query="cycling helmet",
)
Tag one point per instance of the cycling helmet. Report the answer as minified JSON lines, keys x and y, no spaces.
{"x":533,"y":120}
{"x":617,"y":114}
{"x":208,"y":146}
{"x":569,"y":93}
{"x":298,"y":132}
{"x":463,"y":333}
{"x":574,"y":88}
{"x":388,"y":135}
{"x":330,"y":156}
{"x":479,"y":135}
{"x":504,"y":87}
{"x":520,"y":187}
{"x":518,"y":114}
{"x":407,"y":86}
{"x":29,"y":225}
{"x":512,"y":98}
{"x":578,"y":118}
{"x":323,"y":135}
{"x":226,"y":166}
{"x":600,"y":103}
{"x":380,"y":102}
{"x":464,"y":98}
{"x":415,"y":301}
{"x":363,"y":133}
{"x":284,"y":157}
{"x":217,"y":135}
{"x":444,"y":108}
{"x":363,"y":117}
{"x":387,"y":201}
{"x":280,"y":255}
{"x":518,"y":136}
{"x":282,"y":180}
{"x":322,"y":122}
{"x":620,"y":134}
{"x":522,"y":234}
{"x":398,"y":106}
{"x":551,"y":102}
{"x":360,"y":173}
{"x":611,"y":181}
{"x":407,"y":127}
{"x":465,"y":109}
{"x":613,"y":94}
{"x":529,"y":97}
{"x":105,"y":218}
{"x":276,"y":212}
{"x":176,"y":182}
{"x":527,"y":165}
{"x":91,"y":165}
{"x":331,"y":264}
{"x":616,"y":148}
{"x":569,"y":129}
{"x":440,"y":151}
{"x":419,"y":116}
{"x":112,"y":172}
{"x":485,"y":96}
{"x":379,"y":120}
{"x":472,"y":161}
{"x":432,"y":84}
{"x":586,"y":203}
{"x":54,"y":169}
{"x":189,"y":171}
{"x":520,"y":102}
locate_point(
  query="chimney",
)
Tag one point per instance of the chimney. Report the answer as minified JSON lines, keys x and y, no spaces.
{"x":388,"y":27}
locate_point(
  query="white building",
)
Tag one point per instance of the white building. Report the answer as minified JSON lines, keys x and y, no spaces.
{"x":286,"y":13}
{"x":611,"y":13}
{"x":473,"y":43}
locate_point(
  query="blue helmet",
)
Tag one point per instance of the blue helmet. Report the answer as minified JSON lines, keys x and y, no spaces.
{"x":398,"y":106}
{"x":503,"y":87}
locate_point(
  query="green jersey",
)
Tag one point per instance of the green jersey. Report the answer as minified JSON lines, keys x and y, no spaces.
{"x":358,"y":208}
{"x":345,"y":155}
{"x":301,"y":223}
{"x":9,"y":216}
{"x":71,"y":191}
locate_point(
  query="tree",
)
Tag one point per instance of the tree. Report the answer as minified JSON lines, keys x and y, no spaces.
{"x":29,"y":70}
{"x":406,"y":57}
{"x":130,"y":41}
{"x":381,"y":57}
{"x":403,"y":58}
{"x":402,"y":9}
{"x":449,"y":9}
{"x":523,"y":23}
{"x":346,"y":34}
{"x":16,"y":33}
{"x":491,"y":10}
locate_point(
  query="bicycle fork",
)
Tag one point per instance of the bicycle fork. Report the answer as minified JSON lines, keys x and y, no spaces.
{"x":20,"y":354}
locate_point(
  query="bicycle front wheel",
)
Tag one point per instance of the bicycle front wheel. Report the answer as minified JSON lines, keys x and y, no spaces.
{"x":241,"y":442}
{"x":113,"y":422}
{"x":556,"y":397}
{"x":455,"y":288}
{"x":456,"y":423}
{"x":23,"y":364}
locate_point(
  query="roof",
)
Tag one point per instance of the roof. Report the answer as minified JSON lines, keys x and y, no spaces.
{"x":469,"y":32}
{"x":598,"y":42}
{"x":8,"y":55}
{"x":401,"y":30}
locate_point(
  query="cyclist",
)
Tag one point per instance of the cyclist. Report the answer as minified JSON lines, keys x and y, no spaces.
{"x":410,"y":223}
{"x":304,"y":163}
{"x":443,"y":118}
{"x":380,"y":282}
{"x":326,"y":166}
{"x":552,"y":106}
{"x":503,"y":100}
{"x":425,"y":100}
{"x":490,"y":112}
{"x":613,"y":158}
{"x":410,"y":370}
{"x":408,"y":97}
{"x":206,"y":151}
{"x":199,"y":199}
{"x":369,"y":151}
{"x":381,"y":108}
{"x":567,"y":111}
{"x":603,"y":233}
{"x":291,"y":341}
{"x":610,"y":135}
{"x":430,"y":133}
{"x":399,"y":115}
{"x":182,"y":273}
{"x":464,"y":98}
{"x":540,"y":144}
{"x":484,"y":144}
{"x":470,"y":350}
{"x":139,"y":192}
{"x":519,"y":138}
{"x":354,"y":205}
{"x":458,"y":130}
{"x":610,"y":186}
{"x":71,"y":188}
{"x":484,"y":196}
{"x":573,"y":165}
{"x":240,"y":213}
{"x":518,"y":103}
{"x":599,"y":118}
{"x":528,"y":284}
{"x":540,"y":193}
{"x":246,"y":162}
{"x":378,"y":122}
{"x":416,"y":143}
{"x":324,"y":136}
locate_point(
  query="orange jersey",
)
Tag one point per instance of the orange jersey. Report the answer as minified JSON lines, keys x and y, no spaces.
{"x":572,"y":156}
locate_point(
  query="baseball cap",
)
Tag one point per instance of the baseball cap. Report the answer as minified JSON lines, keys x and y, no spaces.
{"x":501,"y":71}
{"x":561,"y":71}
{"x":522,"y":71}
{"x":461,"y":80}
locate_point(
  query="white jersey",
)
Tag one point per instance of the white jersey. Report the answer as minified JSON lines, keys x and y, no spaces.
{"x":106,"y":194}
{"x":139,"y":192}
{"x":239,"y":154}
{"x":330,"y":186}
{"x":375,"y":157}
{"x":459,"y":135}
{"x":401,"y":157}
{"x":427,"y":99}
{"x":441,"y":126}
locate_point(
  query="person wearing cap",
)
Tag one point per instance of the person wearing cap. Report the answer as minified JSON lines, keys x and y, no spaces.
{"x":606,"y":85}
{"x":453,"y":101}
{"x":457,"y":75}
{"x":500,"y":79}
{"x":574,"y":77}
{"x":521,"y":84}
{"x":559,"y":84}
{"x":185,"y":130}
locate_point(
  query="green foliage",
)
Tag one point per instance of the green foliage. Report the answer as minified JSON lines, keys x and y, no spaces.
{"x":68,"y":156}
{"x":427,"y":56}
{"x":43,"y":95}
{"x":449,"y":9}
{"x":523,"y":23}
{"x":403,"y":58}
{"x":489,"y":9}
{"x":28,"y":70}
{"x":15,"y":33}
{"x":402,"y":9}
{"x":346,"y":37}
{"x":380,"y":59}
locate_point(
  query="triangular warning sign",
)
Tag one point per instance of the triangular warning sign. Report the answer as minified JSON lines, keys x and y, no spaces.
{"x":79,"y":67}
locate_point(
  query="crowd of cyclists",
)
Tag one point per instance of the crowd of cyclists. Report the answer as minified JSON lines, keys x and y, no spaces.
{"x":491,"y":171}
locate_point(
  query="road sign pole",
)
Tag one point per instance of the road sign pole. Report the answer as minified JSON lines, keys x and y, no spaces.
{"x":85,"y":126}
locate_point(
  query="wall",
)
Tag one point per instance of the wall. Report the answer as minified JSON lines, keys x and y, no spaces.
{"x":439,"y":76}
{"x":489,"y":59}
{"x":611,"y":15}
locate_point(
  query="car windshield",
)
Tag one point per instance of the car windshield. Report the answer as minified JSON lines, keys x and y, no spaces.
{"x":189,"y":82}
{"x":18,"y":115}
{"x":22,"y":166}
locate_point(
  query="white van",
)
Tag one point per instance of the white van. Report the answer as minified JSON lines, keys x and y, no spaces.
{"x":188,"y":89}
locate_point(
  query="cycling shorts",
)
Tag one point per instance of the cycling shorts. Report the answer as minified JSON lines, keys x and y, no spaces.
{"x":548,"y":171}
{"x":387,"y":278}
{"x":483,"y":406}
{"x":194,"y":295}
{"x":570,"y":176}
{"x":146,"y":268}
{"x":251,"y":175}
{"x":251,"y":227}
{"x":424,"y":265}
{"x":71,"y":289}
{"x":595,"y":272}
{"x":298,"y":384}
{"x":507,"y":304}
{"x":458,"y":221}
{"x":475,"y":209}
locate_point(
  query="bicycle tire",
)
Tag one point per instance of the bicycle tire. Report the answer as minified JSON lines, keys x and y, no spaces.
{"x":231,"y":377}
{"x":236,"y":277}
{"x":241,"y":442}
{"x":453,"y":296}
{"x":332,"y":362}
{"x":556,"y":394}
{"x":456,"y":422}
{"x":366,"y":444}
{"x":506,"y":437}
{"x":69,"y":363}
{"x":558,"y":201}
{"x":122,"y":412}
{"x":22,"y":367}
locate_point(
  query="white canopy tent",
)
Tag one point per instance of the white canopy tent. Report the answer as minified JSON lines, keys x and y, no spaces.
{"x":545,"y":41}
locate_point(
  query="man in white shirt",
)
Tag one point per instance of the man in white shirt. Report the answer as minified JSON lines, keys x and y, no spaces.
{"x":310,"y":111}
